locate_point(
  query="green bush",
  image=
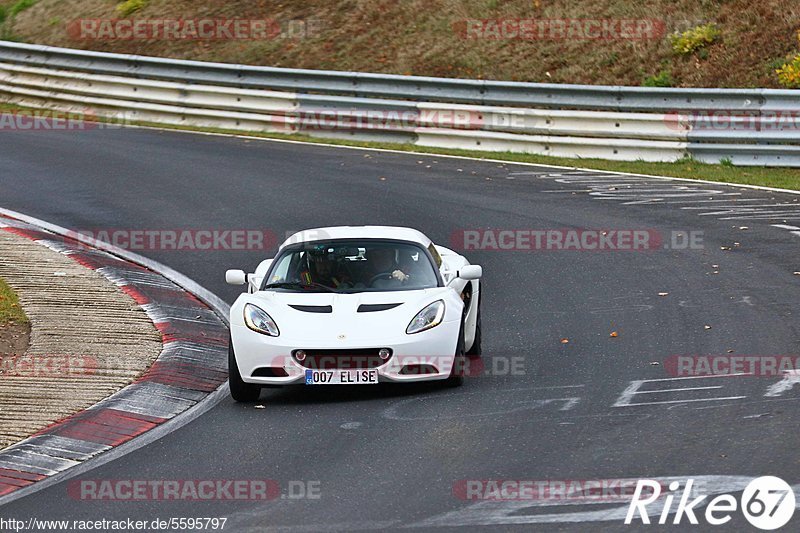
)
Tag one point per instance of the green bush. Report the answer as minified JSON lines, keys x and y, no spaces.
{"x":789,"y":72}
{"x":20,"y":6}
{"x":695,"y":39}
{"x":129,"y":7}
{"x":7,"y":15}
{"x":662,"y":79}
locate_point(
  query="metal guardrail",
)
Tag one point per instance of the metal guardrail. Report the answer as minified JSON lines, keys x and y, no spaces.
{"x":608,"y":122}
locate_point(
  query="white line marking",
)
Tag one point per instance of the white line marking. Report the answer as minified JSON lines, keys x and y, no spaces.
{"x":678,"y":390}
{"x":392,"y":413}
{"x":712,"y":201}
{"x":784,"y":226}
{"x":627,"y":395}
{"x":790,"y":379}
{"x":633,"y":387}
{"x":495,"y":513}
{"x":555,"y":387}
{"x":767,"y":215}
{"x":701,"y":377}
{"x":718,"y":406}
{"x":737,"y":206}
{"x":683,"y":401}
{"x":568,"y":191}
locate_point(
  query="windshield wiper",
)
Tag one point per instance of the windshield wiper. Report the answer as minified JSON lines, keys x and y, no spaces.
{"x":297,"y":285}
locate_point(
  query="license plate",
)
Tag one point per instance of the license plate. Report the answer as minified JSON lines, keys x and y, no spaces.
{"x":341,"y":377}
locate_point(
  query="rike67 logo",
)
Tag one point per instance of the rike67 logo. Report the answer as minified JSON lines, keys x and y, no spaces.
{"x":767,"y":502}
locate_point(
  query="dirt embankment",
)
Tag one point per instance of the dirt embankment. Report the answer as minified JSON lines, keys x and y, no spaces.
{"x":431,"y":37}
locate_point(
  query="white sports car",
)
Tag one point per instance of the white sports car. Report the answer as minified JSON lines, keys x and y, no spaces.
{"x":354,"y":305}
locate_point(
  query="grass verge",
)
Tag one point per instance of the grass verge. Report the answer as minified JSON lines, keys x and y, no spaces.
{"x":783,"y":178}
{"x":10,"y":310}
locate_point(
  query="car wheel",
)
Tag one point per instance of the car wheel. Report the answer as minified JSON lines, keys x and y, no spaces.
{"x":475,"y":349}
{"x":456,"y":378}
{"x":240,"y":391}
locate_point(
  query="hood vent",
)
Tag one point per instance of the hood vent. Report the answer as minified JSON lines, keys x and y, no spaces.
{"x":313,"y":308}
{"x":371,"y":308}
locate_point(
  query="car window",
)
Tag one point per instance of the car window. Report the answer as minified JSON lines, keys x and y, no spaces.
{"x":353,"y":266}
{"x":280,"y":271}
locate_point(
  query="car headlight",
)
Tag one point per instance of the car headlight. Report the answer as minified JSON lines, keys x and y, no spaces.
{"x":258,"y":320}
{"x":428,"y":318}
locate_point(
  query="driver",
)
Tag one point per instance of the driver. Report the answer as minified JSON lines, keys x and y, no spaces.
{"x":384,"y":267}
{"x":321,"y":270}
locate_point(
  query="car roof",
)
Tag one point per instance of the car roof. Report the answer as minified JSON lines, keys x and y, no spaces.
{"x":358,"y":232}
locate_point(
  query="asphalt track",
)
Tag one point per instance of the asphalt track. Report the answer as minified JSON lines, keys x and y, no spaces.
{"x":389,"y":457}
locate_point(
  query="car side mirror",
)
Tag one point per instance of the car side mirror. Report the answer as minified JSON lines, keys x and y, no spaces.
{"x":470,"y":272}
{"x":235,"y":277}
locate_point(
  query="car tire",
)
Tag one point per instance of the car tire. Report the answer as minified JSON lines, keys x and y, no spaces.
{"x":240,"y":391}
{"x":475,"y":349}
{"x":456,"y":378}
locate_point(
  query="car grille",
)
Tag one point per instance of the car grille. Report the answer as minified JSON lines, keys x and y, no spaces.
{"x":341,"y":359}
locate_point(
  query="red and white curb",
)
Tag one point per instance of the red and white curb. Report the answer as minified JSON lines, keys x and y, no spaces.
{"x":191,"y":366}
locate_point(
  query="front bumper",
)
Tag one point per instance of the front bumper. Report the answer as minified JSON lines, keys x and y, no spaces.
{"x":432,"y":350}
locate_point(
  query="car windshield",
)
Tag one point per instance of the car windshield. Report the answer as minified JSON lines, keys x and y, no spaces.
{"x":352,"y":266}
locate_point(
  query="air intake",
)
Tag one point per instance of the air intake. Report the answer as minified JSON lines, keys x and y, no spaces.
{"x":313,"y":308}
{"x":371,"y":308}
